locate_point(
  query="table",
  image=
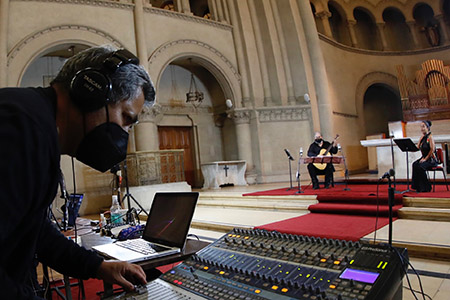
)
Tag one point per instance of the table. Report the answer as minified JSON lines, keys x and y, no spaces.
{"x":191,"y":247}
{"x":219,"y":173}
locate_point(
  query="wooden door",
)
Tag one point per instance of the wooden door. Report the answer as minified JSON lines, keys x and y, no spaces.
{"x":173,"y":137}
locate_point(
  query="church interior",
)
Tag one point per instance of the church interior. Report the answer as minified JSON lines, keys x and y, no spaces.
{"x":242,"y":86}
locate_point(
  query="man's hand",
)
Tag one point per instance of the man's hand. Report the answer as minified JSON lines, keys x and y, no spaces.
{"x":121,"y":273}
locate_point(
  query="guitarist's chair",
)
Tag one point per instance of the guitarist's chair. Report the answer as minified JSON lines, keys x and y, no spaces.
{"x":439,"y":168}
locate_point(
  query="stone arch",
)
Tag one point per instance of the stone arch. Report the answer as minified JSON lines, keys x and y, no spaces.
{"x":364,"y":83}
{"x":203,"y":54}
{"x":29,"y":48}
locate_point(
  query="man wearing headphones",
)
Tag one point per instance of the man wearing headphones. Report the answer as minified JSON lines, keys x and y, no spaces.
{"x":85,"y":113}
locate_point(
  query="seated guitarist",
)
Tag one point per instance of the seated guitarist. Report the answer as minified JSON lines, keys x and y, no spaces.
{"x":321,"y":147}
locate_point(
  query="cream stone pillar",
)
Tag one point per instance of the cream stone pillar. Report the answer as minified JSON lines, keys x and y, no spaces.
{"x":246,"y":101}
{"x":226,"y":11}
{"x":4,"y":13}
{"x":212,"y":9}
{"x":243,"y":135}
{"x":384,"y":43}
{"x":413,"y":29}
{"x":146,"y":131}
{"x":139,"y":28}
{"x":351,"y":28}
{"x":186,"y":7}
{"x":284,"y":54}
{"x":324,"y":16}
{"x":261,"y":56}
{"x":220,"y":15}
{"x":318,"y":68}
{"x":443,"y":30}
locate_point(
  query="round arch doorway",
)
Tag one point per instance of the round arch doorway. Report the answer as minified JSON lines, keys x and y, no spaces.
{"x":382,"y":105}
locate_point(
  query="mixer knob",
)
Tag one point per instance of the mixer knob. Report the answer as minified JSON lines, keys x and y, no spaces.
{"x":307,"y":253}
{"x":247,"y":273}
{"x":283,"y":281}
{"x":235,"y":241}
{"x":252,"y":243}
{"x":272,"y":247}
{"x":270,"y":278}
{"x":283,"y":248}
{"x":226,"y":240}
{"x":276,"y":280}
{"x":319,"y":254}
{"x":290,"y":283}
{"x":243,"y":242}
{"x":295,"y":250}
{"x":258,"y":276}
{"x":264,"y":277}
{"x":262,"y":245}
{"x":296,"y":285}
{"x":333,"y":257}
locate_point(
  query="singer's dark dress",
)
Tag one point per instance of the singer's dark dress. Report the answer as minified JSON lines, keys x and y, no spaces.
{"x":29,"y":164}
{"x":420,"y":181}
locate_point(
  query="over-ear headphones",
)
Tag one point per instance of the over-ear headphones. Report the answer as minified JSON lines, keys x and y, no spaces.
{"x":90,"y":88}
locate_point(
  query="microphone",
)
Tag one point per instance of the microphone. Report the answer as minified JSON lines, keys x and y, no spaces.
{"x":288,"y":154}
{"x":301,"y":151}
{"x":339,"y":147}
{"x":388,"y":174}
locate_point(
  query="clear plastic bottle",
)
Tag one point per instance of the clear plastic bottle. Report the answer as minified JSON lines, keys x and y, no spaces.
{"x":116,"y":217}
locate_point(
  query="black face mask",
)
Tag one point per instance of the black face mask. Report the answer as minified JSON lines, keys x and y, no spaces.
{"x":103,"y":147}
{"x":318,"y":141}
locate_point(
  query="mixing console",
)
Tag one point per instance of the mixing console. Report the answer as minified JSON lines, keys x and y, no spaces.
{"x":258,"y":264}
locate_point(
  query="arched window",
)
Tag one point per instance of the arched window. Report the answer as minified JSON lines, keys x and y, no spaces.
{"x":396,"y":30}
{"x":428,"y":26}
{"x":338,"y":24}
{"x":200,"y":8}
{"x":319,"y":24}
{"x":366,"y":30}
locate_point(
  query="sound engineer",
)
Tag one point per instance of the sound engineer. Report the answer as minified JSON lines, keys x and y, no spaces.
{"x":86,"y":113}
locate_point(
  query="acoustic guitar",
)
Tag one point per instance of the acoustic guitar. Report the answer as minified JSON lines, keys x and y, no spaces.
{"x":325,"y":152}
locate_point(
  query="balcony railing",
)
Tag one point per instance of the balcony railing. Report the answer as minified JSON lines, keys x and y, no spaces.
{"x":155,"y":167}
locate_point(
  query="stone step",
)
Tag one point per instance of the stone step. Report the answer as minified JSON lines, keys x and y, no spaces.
{"x":426,"y":202}
{"x":275,"y":203}
{"x":425,"y":213}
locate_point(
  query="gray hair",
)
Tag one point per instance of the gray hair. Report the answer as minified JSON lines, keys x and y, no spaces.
{"x":127,"y":81}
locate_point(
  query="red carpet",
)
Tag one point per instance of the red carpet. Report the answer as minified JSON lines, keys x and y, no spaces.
{"x":331,"y":226}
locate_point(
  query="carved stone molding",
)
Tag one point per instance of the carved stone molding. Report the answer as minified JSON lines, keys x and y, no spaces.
{"x":122,"y":4}
{"x":382,"y":53}
{"x":186,"y":17}
{"x":39,"y":33}
{"x":166,"y":46}
{"x":150,"y":113}
{"x":345,"y":115}
{"x":283,"y":114}
{"x":240,"y":116}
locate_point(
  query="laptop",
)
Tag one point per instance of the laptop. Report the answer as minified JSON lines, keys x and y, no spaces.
{"x":165,"y":233}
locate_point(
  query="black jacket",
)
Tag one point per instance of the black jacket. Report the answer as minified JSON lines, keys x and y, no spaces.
{"x":29,"y":168}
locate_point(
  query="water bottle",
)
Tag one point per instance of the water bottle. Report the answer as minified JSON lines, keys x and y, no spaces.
{"x":116,"y":217}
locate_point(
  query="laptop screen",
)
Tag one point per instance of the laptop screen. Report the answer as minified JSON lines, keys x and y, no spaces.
{"x":170,"y":218}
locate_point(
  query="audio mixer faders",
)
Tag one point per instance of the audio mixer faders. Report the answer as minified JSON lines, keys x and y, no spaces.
{"x":260,"y":264}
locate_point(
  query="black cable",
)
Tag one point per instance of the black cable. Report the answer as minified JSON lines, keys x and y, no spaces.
{"x":405,"y":268}
{"x":189,"y":235}
{"x":376,"y":216}
{"x":415,"y":291}
{"x":74,"y":193}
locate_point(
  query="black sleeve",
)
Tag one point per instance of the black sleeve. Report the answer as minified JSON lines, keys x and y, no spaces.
{"x":65,"y":256}
{"x":313,"y":150}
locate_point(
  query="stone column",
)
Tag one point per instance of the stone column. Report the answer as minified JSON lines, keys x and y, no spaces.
{"x":443,"y":29}
{"x":179,"y":6}
{"x":226,"y":11}
{"x":246,"y":102}
{"x":4,"y":14}
{"x":146,"y":132}
{"x":319,"y":74}
{"x":243,"y":135}
{"x":324,"y":16}
{"x":139,"y":29}
{"x":413,"y":28}
{"x":186,"y":7}
{"x":261,"y":55}
{"x":220,"y":16}
{"x":284,"y":54}
{"x":384,"y":43}
{"x":351,"y":28}
{"x":212,"y":9}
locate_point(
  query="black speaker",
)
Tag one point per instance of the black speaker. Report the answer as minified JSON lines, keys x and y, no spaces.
{"x":90,"y":88}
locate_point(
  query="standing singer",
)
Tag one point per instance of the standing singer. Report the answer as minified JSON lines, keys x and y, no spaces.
{"x":321,"y":147}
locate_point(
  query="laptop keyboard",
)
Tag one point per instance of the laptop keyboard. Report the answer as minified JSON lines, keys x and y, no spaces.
{"x":141,"y":246}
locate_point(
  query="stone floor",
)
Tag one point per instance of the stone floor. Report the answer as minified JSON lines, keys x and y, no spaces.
{"x":435,"y":276}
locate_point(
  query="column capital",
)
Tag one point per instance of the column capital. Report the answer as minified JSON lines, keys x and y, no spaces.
{"x":240,"y":116}
{"x":323,"y":14}
{"x":149,"y":114}
{"x":351,"y":22}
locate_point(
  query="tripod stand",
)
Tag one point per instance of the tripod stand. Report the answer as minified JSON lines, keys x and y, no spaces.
{"x":346,"y":169}
{"x":128,"y":195}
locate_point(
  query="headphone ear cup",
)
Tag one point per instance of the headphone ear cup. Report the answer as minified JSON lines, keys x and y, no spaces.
{"x":90,"y":89}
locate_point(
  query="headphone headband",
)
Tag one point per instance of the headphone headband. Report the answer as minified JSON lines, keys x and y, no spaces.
{"x":91,"y":88}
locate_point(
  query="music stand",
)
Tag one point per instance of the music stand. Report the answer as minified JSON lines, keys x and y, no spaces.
{"x":406,"y":145}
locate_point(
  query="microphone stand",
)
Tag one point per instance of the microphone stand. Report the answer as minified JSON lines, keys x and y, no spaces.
{"x":391,"y":191}
{"x":346,"y":169}
{"x":391,"y":136}
{"x":298,"y":172}
{"x":128,"y":195}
